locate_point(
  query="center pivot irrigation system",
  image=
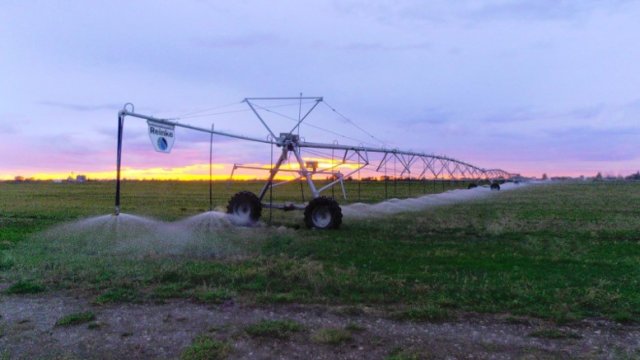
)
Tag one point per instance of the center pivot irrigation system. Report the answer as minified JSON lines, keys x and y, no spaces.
{"x":321,"y":212}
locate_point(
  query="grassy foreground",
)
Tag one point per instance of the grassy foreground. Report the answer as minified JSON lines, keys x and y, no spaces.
{"x":562,"y":252}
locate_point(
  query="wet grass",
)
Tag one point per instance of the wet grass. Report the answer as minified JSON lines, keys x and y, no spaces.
{"x":400,"y":354}
{"x":76,"y":319}
{"x":206,"y":348}
{"x":24,"y":287}
{"x":117,"y":295}
{"x":429,"y":313}
{"x":213,"y":296}
{"x":561,"y":252}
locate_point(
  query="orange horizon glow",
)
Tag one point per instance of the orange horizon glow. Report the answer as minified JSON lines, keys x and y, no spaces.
{"x":221,"y":172}
{"x":193,"y":172}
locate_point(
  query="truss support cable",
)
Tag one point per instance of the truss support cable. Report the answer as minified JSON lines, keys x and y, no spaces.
{"x":188,"y":114}
{"x":354,"y":124}
{"x":309,"y":124}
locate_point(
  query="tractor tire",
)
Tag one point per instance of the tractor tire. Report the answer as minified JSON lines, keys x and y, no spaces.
{"x":245,"y":207}
{"x":495,"y":186}
{"x":323,"y":213}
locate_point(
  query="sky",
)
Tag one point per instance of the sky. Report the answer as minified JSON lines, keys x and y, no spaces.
{"x":529,"y":86}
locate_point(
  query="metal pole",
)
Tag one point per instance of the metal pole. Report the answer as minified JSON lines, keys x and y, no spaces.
{"x":333,"y":195}
{"x":119,"y":162}
{"x":302,"y":189}
{"x":395,"y":179}
{"x":211,"y":170}
{"x":359,"y":178}
{"x":273,"y":136}
{"x":304,"y":172}
{"x":270,"y":191}
{"x":196,"y":128}
{"x":385,"y":182}
{"x":299,"y":121}
{"x":273,"y":172}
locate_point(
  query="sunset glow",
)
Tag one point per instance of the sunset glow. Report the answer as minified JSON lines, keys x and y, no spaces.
{"x":528,"y":87}
{"x":194,"y":172}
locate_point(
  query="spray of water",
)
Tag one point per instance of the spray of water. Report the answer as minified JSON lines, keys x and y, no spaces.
{"x":394,"y":206}
{"x":210,"y":234}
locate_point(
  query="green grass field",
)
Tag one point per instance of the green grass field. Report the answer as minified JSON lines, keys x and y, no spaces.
{"x":562,"y":252}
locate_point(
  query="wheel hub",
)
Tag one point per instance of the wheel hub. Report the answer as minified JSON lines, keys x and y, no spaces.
{"x":321,"y":217}
{"x":243,"y":211}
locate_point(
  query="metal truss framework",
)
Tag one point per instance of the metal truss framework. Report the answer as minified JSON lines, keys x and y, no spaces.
{"x":426,"y":166}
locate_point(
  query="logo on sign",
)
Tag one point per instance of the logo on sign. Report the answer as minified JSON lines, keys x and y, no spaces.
{"x":162,"y":144}
{"x":162,"y":136}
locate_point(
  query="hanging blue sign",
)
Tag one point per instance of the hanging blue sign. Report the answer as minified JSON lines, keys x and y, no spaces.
{"x":162,"y":136}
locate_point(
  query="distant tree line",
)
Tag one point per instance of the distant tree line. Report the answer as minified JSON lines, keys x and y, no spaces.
{"x":635,"y":176}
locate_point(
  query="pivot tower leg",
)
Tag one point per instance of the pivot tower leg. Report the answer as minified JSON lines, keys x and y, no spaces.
{"x":118,"y":162}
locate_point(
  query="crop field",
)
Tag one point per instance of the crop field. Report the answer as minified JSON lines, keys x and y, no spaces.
{"x":557,"y":253}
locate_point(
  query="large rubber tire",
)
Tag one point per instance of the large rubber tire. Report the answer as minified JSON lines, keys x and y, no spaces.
{"x":472,"y":186}
{"x":495,"y":186}
{"x":245,"y":208}
{"x":323,"y":213}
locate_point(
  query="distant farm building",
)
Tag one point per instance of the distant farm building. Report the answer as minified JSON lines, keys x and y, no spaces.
{"x":79,"y":179}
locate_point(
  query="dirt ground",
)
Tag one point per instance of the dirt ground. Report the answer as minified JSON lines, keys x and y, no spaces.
{"x":28,"y":330}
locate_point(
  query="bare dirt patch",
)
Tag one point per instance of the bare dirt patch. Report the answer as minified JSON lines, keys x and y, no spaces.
{"x":28,"y":330}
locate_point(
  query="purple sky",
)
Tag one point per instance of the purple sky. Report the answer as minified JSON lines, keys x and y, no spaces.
{"x":529,"y":86}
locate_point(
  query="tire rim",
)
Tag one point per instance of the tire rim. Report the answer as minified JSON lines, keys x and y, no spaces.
{"x":321,"y":217}
{"x":242,"y":212}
